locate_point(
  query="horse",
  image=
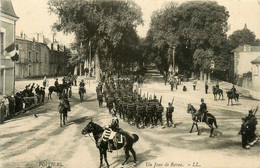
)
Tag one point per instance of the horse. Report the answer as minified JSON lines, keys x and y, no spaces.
{"x":58,"y":90}
{"x":216,"y":92}
{"x":81,"y":93}
{"x":63,"y":110}
{"x":211,"y":119}
{"x":231,"y":95}
{"x":127,"y":142}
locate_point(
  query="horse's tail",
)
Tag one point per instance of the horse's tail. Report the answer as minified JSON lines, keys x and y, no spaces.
{"x":136,"y":138}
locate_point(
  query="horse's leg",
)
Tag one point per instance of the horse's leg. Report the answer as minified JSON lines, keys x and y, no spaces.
{"x":228,"y":101}
{"x":198,"y":128}
{"x":60,"y":120}
{"x":101,"y":158}
{"x":126,"y":154}
{"x":105,"y":156}
{"x":133,"y":153}
{"x":63,"y":118}
{"x":211,"y":129}
{"x":192,"y":127}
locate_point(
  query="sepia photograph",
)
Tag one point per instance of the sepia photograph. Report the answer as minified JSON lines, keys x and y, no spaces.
{"x":130,"y":84}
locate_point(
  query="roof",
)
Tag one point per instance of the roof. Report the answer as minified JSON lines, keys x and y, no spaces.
{"x":256,"y":61}
{"x":7,"y":8}
{"x":253,"y":49}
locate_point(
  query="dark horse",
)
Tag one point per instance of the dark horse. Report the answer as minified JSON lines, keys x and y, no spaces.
{"x":127,"y":142}
{"x":195,"y":118}
{"x":216,"y":92}
{"x":59,"y":89}
{"x":63,"y":110}
{"x":231,"y":95}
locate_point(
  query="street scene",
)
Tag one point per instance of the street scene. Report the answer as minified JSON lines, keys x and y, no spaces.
{"x":91,"y":90}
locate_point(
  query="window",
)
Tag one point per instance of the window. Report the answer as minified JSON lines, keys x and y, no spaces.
{"x":37,"y":55}
{"x":45,"y":58}
{"x":30,"y":56}
{"x":2,"y":42}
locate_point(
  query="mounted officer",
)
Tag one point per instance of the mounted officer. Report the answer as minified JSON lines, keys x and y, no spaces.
{"x":203,"y":111}
{"x":56,"y":83}
{"x":169,"y":111}
{"x":233,"y":90}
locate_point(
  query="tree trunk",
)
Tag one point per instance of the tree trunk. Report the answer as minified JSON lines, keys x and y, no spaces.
{"x":166,"y":77}
{"x":80,"y":69}
{"x":97,"y":66}
{"x":209,"y":80}
{"x":205,"y":77}
{"x":201,"y":77}
{"x":89,"y":60}
{"x":76,"y":70}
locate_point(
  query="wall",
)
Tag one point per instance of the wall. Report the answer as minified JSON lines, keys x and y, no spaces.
{"x":243,"y":61}
{"x":256,"y":77}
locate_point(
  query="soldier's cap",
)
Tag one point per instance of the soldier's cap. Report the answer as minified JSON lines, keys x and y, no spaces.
{"x":250,"y":111}
{"x":243,"y":118}
{"x":202,"y":100}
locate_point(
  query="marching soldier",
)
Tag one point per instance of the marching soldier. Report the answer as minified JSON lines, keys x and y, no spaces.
{"x":244,"y":132}
{"x":169,"y":111}
{"x":100,"y":99}
{"x":159,"y":111}
{"x":149,"y":115}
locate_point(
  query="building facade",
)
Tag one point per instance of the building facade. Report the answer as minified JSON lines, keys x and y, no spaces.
{"x":38,"y":59}
{"x":7,"y":38}
{"x":34,"y":58}
{"x":255,"y":74}
{"x":242,"y":65}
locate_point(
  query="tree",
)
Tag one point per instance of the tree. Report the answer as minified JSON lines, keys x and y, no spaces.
{"x":241,"y":37}
{"x":188,"y":27}
{"x":108,"y":25}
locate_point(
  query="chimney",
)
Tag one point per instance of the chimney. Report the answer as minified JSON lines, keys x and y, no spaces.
{"x":58,"y":47}
{"x":21,"y":35}
{"x":38,"y":37}
{"x":24,"y":36}
{"x":51,"y":46}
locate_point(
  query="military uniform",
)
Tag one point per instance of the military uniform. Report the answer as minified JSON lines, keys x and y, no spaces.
{"x":159,"y":111}
{"x":149,"y":115}
{"x":169,"y":111}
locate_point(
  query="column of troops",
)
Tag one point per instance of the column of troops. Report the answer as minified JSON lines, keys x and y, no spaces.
{"x":122,"y":100}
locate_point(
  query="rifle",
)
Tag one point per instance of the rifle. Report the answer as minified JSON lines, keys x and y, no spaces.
{"x":256,"y":109}
{"x":172,"y":99}
{"x":161,"y":100}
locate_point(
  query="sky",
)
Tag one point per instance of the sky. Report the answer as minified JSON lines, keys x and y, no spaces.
{"x":34,"y":17}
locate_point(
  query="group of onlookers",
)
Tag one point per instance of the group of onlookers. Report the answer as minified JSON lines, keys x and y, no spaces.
{"x":32,"y":96}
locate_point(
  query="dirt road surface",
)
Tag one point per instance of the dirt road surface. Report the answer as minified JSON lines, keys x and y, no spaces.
{"x":29,"y":142}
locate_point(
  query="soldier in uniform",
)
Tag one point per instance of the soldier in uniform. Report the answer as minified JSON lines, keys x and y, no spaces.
{"x":149,"y":115}
{"x":56,"y":84}
{"x":203,"y":111}
{"x":169,"y":111}
{"x":251,"y":123}
{"x":100,"y":99}
{"x":159,"y":111}
{"x":244,"y":132}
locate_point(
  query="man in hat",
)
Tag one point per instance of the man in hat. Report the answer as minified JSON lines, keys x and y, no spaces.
{"x":251,"y":123}
{"x":56,"y":83}
{"x":206,"y":88}
{"x":169,"y":111}
{"x":203,"y":111}
{"x":244,"y":132}
{"x":233,"y":90}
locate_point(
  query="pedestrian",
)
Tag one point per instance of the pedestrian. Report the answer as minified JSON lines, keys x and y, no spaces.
{"x":206,"y":88}
{"x":44,"y":83}
{"x":194,"y":85}
{"x":172,"y":84}
{"x":6,"y":103}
